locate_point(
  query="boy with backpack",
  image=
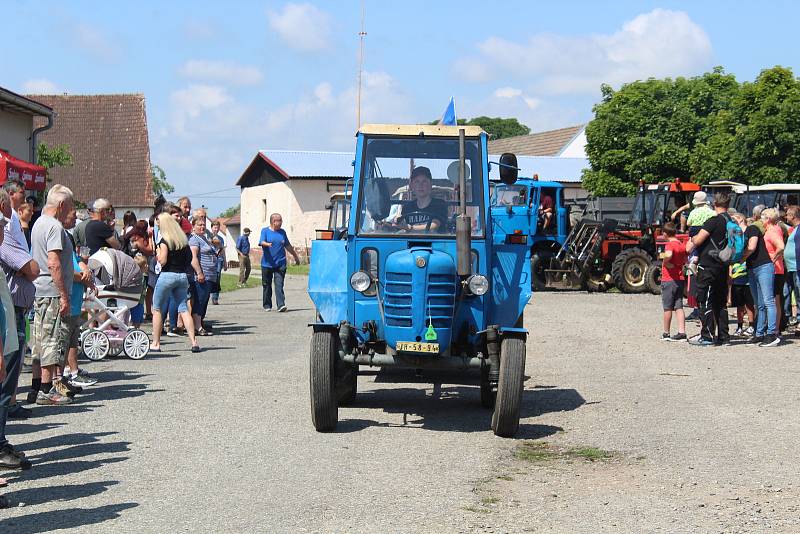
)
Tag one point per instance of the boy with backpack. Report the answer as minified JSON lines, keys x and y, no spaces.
{"x":719,"y":243}
{"x":672,"y":283}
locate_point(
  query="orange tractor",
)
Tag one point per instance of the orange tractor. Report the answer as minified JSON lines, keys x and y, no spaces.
{"x":598,"y":255}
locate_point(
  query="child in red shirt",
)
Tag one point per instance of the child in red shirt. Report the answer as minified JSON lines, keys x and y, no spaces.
{"x":673,"y":283}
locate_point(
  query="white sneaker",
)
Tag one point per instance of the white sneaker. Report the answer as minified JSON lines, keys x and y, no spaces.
{"x":739,"y":332}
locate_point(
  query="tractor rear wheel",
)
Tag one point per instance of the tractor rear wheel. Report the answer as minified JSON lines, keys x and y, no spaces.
{"x":630,"y":269}
{"x":539,"y":262}
{"x":505,"y":419}
{"x":654,"y":278}
{"x":324,"y":410}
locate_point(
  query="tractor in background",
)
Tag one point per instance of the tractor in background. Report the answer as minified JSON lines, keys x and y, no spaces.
{"x":600,"y":254}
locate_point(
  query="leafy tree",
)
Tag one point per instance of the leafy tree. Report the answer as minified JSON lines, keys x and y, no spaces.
{"x":496,"y":127}
{"x":499,"y":128}
{"x":757,"y":140}
{"x":230,"y":212}
{"x":160,"y":185}
{"x":57,"y":156}
{"x":648,"y":130}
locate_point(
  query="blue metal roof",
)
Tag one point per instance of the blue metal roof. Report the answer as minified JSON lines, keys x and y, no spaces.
{"x":300,"y":164}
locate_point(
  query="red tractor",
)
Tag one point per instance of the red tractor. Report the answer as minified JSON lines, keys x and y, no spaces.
{"x":600,"y":254}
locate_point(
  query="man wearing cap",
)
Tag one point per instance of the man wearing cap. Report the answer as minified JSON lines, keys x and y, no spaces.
{"x":243,"y":248}
{"x":99,"y":233}
{"x":425,"y":212}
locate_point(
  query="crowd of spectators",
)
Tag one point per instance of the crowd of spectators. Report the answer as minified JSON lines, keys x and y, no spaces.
{"x":762,"y":284}
{"x":44,"y":256}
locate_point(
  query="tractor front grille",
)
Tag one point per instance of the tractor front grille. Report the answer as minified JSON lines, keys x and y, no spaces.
{"x":397,"y":299}
{"x":439,"y":300}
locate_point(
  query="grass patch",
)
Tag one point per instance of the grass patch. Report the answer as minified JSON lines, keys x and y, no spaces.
{"x":490,"y":500}
{"x":590,"y":453}
{"x":505,"y":477}
{"x":298,"y":269}
{"x":533,"y":451}
{"x":230,"y":282}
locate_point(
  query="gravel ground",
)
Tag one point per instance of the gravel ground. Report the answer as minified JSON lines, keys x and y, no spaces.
{"x":697,"y":439}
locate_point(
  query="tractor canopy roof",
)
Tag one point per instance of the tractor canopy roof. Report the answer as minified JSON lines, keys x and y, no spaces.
{"x":432,"y":130}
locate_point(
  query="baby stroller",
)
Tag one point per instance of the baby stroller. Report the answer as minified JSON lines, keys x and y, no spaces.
{"x":119,"y":287}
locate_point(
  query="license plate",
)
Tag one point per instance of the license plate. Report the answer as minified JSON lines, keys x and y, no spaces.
{"x":411,"y":346}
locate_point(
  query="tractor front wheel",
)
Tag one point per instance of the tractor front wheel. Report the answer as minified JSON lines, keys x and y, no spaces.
{"x":630,"y":269}
{"x":654,"y":278}
{"x":346,"y":383}
{"x":505,"y":419}
{"x":487,"y":395}
{"x":324,"y":410}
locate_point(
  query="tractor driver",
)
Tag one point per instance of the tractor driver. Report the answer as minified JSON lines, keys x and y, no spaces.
{"x":425,"y":212}
{"x":546,"y":208}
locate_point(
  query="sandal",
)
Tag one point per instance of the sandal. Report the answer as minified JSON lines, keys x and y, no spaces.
{"x":195,"y":348}
{"x":203,"y":332}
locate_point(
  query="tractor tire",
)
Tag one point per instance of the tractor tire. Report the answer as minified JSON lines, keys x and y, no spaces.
{"x":346,"y":383}
{"x":654,"y":278}
{"x":629,"y":270}
{"x":539,"y":262}
{"x":505,"y":419}
{"x":487,"y":395}
{"x":324,"y":410}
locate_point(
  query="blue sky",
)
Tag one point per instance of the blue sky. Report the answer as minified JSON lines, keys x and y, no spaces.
{"x":224,"y":80}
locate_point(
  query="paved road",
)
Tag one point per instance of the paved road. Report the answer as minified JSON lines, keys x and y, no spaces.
{"x":222,"y":441}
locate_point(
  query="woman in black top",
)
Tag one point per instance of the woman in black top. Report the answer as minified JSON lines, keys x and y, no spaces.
{"x":175,"y":258}
{"x":761,"y":273}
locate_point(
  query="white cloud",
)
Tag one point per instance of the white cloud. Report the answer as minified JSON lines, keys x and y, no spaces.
{"x":507,"y":92}
{"x":302,"y":27}
{"x":96,"y":42}
{"x":39,"y":86}
{"x":221,"y":72}
{"x":326,"y":119}
{"x":189,"y":103}
{"x":659,"y":43}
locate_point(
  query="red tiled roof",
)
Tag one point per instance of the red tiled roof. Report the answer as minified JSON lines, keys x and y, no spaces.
{"x":234,"y":221}
{"x":549,"y":143}
{"x":107,"y":136}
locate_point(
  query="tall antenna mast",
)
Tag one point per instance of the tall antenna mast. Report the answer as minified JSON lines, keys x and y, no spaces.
{"x":361,"y":36}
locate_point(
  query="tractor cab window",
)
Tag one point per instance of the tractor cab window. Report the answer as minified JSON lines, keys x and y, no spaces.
{"x":410,"y":186}
{"x":509,"y":195}
{"x":747,"y":201}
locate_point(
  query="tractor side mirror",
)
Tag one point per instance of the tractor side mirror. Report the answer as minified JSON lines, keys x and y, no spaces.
{"x":508,"y":168}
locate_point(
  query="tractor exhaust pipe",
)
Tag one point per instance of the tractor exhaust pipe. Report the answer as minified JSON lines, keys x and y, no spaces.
{"x":463,"y":222}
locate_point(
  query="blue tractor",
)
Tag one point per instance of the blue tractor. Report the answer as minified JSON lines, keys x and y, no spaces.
{"x":420,"y":280}
{"x":535,"y":209}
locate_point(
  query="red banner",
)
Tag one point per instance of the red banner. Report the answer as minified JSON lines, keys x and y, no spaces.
{"x":11,"y":168}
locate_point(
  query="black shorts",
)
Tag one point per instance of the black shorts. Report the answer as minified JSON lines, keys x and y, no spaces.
{"x":741,"y":296}
{"x":672,"y":295}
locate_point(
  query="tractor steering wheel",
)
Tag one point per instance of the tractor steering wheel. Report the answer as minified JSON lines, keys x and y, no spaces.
{"x":422,"y":217}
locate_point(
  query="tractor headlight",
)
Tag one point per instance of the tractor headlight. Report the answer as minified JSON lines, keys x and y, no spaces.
{"x":478,"y":284}
{"x":360,"y":281}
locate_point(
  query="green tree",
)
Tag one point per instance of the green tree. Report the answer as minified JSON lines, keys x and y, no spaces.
{"x":160,"y":185}
{"x":496,"y":127}
{"x":230,"y":212}
{"x":648,"y":130}
{"x":757,"y":140}
{"x":56,"y":156}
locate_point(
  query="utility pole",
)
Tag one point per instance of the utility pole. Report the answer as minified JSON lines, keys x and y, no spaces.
{"x":361,"y":36}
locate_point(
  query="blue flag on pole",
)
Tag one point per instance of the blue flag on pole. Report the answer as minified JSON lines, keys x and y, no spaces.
{"x":449,"y":117}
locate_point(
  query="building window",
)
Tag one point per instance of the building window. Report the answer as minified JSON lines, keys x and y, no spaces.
{"x":264,"y":209}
